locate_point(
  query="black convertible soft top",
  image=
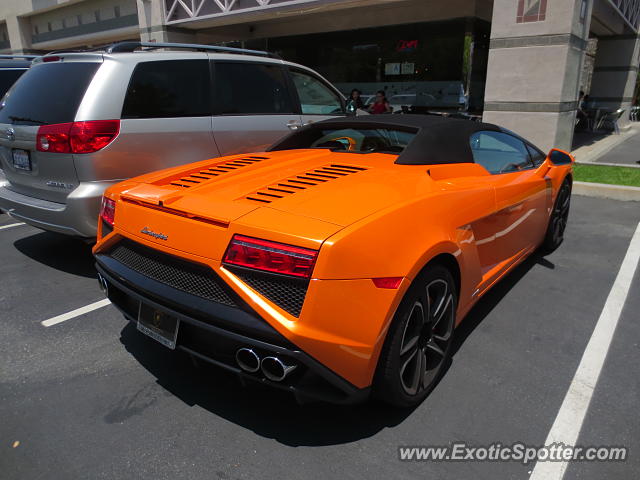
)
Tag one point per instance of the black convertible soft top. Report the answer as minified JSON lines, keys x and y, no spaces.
{"x":438,"y":139}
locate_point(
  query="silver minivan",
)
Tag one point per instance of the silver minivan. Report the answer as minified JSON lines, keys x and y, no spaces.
{"x":76,"y":123}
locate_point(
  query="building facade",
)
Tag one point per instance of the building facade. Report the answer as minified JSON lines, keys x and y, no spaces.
{"x":519,"y":63}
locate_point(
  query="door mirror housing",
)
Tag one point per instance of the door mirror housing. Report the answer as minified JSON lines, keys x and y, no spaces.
{"x":560,"y":157}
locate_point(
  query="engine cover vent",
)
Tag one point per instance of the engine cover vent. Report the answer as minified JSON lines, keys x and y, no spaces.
{"x":297,"y":183}
{"x":215,"y":170}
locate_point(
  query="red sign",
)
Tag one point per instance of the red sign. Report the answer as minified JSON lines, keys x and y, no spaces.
{"x":406,"y":45}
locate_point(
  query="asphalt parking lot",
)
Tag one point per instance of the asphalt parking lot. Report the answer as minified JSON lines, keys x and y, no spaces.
{"x":89,"y":397}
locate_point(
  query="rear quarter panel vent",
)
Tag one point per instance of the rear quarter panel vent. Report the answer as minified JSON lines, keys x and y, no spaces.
{"x":301,"y":182}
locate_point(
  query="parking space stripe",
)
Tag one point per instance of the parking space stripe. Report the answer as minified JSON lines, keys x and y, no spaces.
{"x":568,"y":422}
{"x":75,"y":313}
{"x":11,"y":225}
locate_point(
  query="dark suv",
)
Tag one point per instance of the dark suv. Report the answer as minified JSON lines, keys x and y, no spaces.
{"x":11,"y":68}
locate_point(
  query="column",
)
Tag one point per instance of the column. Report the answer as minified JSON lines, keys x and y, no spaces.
{"x":153,"y":28}
{"x":533,"y":75}
{"x":615,"y":73}
{"x":19,"y":30}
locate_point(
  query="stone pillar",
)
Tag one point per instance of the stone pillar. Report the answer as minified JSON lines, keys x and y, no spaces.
{"x":535,"y":59}
{"x":19,"y":30}
{"x":615,"y":73}
{"x":153,"y":29}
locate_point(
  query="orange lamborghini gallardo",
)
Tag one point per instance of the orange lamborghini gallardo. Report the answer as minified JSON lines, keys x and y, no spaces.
{"x":337,"y":263}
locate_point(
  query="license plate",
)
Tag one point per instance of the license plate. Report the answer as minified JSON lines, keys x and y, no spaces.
{"x":159,"y":325}
{"x":21,"y":160}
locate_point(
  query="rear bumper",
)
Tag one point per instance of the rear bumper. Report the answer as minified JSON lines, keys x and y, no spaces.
{"x":214,"y":332}
{"x":77,"y":217}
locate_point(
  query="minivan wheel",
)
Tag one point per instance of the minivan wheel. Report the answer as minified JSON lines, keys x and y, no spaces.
{"x":418,"y":345}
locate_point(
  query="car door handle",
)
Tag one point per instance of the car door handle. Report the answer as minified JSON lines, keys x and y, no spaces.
{"x":293,"y":124}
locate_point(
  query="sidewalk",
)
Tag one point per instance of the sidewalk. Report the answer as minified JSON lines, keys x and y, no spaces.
{"x":608,"y":150}
{"x":623,"y":149}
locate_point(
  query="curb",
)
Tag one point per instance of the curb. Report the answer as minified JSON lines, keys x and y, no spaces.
{"x":605,"y":164}
{"x":603,"y":190}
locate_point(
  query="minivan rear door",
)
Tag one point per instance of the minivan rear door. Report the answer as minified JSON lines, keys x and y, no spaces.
{"x":253,"y":105}
{"x":166,"y":118}
{"x":48,"y":93}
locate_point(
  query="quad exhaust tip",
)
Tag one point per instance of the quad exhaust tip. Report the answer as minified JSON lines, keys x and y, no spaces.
{"x":248,"y":360}
{"x":275,"y":369}
{"x":104,"y":286}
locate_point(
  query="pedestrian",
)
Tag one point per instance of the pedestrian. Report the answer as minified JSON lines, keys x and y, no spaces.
{"x":381,"y":104}
{"x":355,"y":99}
{"x":581,"y":112}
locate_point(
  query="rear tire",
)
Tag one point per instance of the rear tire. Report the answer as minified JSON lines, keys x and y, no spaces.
{"x":554,"y":235}
{"x":418,"y":344}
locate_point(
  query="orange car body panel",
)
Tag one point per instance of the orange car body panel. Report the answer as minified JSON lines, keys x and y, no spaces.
{"x":379,"y":220}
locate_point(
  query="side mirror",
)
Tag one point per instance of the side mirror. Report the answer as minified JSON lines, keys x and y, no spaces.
{"x":559,"y":157}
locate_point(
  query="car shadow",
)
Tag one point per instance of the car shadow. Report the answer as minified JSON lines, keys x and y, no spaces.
{"x":268,"y":412}
{"x":275,"y":414}
{"x":67,"y":254}
{"x":493,"y":297}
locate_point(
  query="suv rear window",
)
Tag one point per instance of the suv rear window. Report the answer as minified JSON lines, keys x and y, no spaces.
{"x":169,"y":89}
{"x":47,"y":93}
{"x":8,"y":77}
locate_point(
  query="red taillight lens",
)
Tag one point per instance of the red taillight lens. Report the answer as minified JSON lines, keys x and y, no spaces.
{"x":54,"y":138}
{"x":270,"y":256}
{"x":77,"y":137}
{"x":88,"y":137}
{"x":108,"y":210}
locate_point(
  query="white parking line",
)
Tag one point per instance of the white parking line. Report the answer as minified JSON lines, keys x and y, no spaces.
{"x":75,"y":313}
{"x":11,"y":225}
{"x":568,"y":422}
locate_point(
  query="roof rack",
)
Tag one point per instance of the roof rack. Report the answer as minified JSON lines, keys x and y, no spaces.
{"x":121,"y":47}
{"x":26,"y":57}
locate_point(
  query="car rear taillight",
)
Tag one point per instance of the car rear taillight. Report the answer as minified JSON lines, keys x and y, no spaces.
{"x":77,"y":137}
{"x":108,"y":211}
{"x":270,"y":256}
{"x":54,"y":138}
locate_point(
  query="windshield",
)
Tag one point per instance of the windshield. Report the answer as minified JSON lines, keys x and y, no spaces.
{"x":354,"y":140}
{"x":47,"y":93}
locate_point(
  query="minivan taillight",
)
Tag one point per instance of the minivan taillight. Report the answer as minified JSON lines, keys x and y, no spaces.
{"x":77,"y":137}
{"x":108,"y":210}
{"x":270,"y":256}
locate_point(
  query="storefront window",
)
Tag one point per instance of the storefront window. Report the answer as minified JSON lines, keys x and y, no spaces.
{"x":424,"y":64}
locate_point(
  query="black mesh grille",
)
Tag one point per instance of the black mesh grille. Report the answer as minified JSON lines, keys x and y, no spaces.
{"x":287,"y":293}
{"x":188,"y":277}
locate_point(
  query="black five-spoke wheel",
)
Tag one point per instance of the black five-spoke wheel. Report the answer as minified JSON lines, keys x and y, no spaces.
{"x":558,"y":219}
{"x":418,"y":343}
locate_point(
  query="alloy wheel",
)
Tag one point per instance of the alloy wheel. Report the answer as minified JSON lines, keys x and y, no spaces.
{"x":561,"y":213}
{"x":426,"y":338}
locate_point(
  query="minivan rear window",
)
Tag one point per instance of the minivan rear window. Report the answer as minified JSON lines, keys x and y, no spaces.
{"x":168,"y":89}
{"x":47,"y":93}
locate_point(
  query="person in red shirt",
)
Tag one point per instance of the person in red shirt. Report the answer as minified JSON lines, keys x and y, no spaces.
{"x":381,"y":105}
